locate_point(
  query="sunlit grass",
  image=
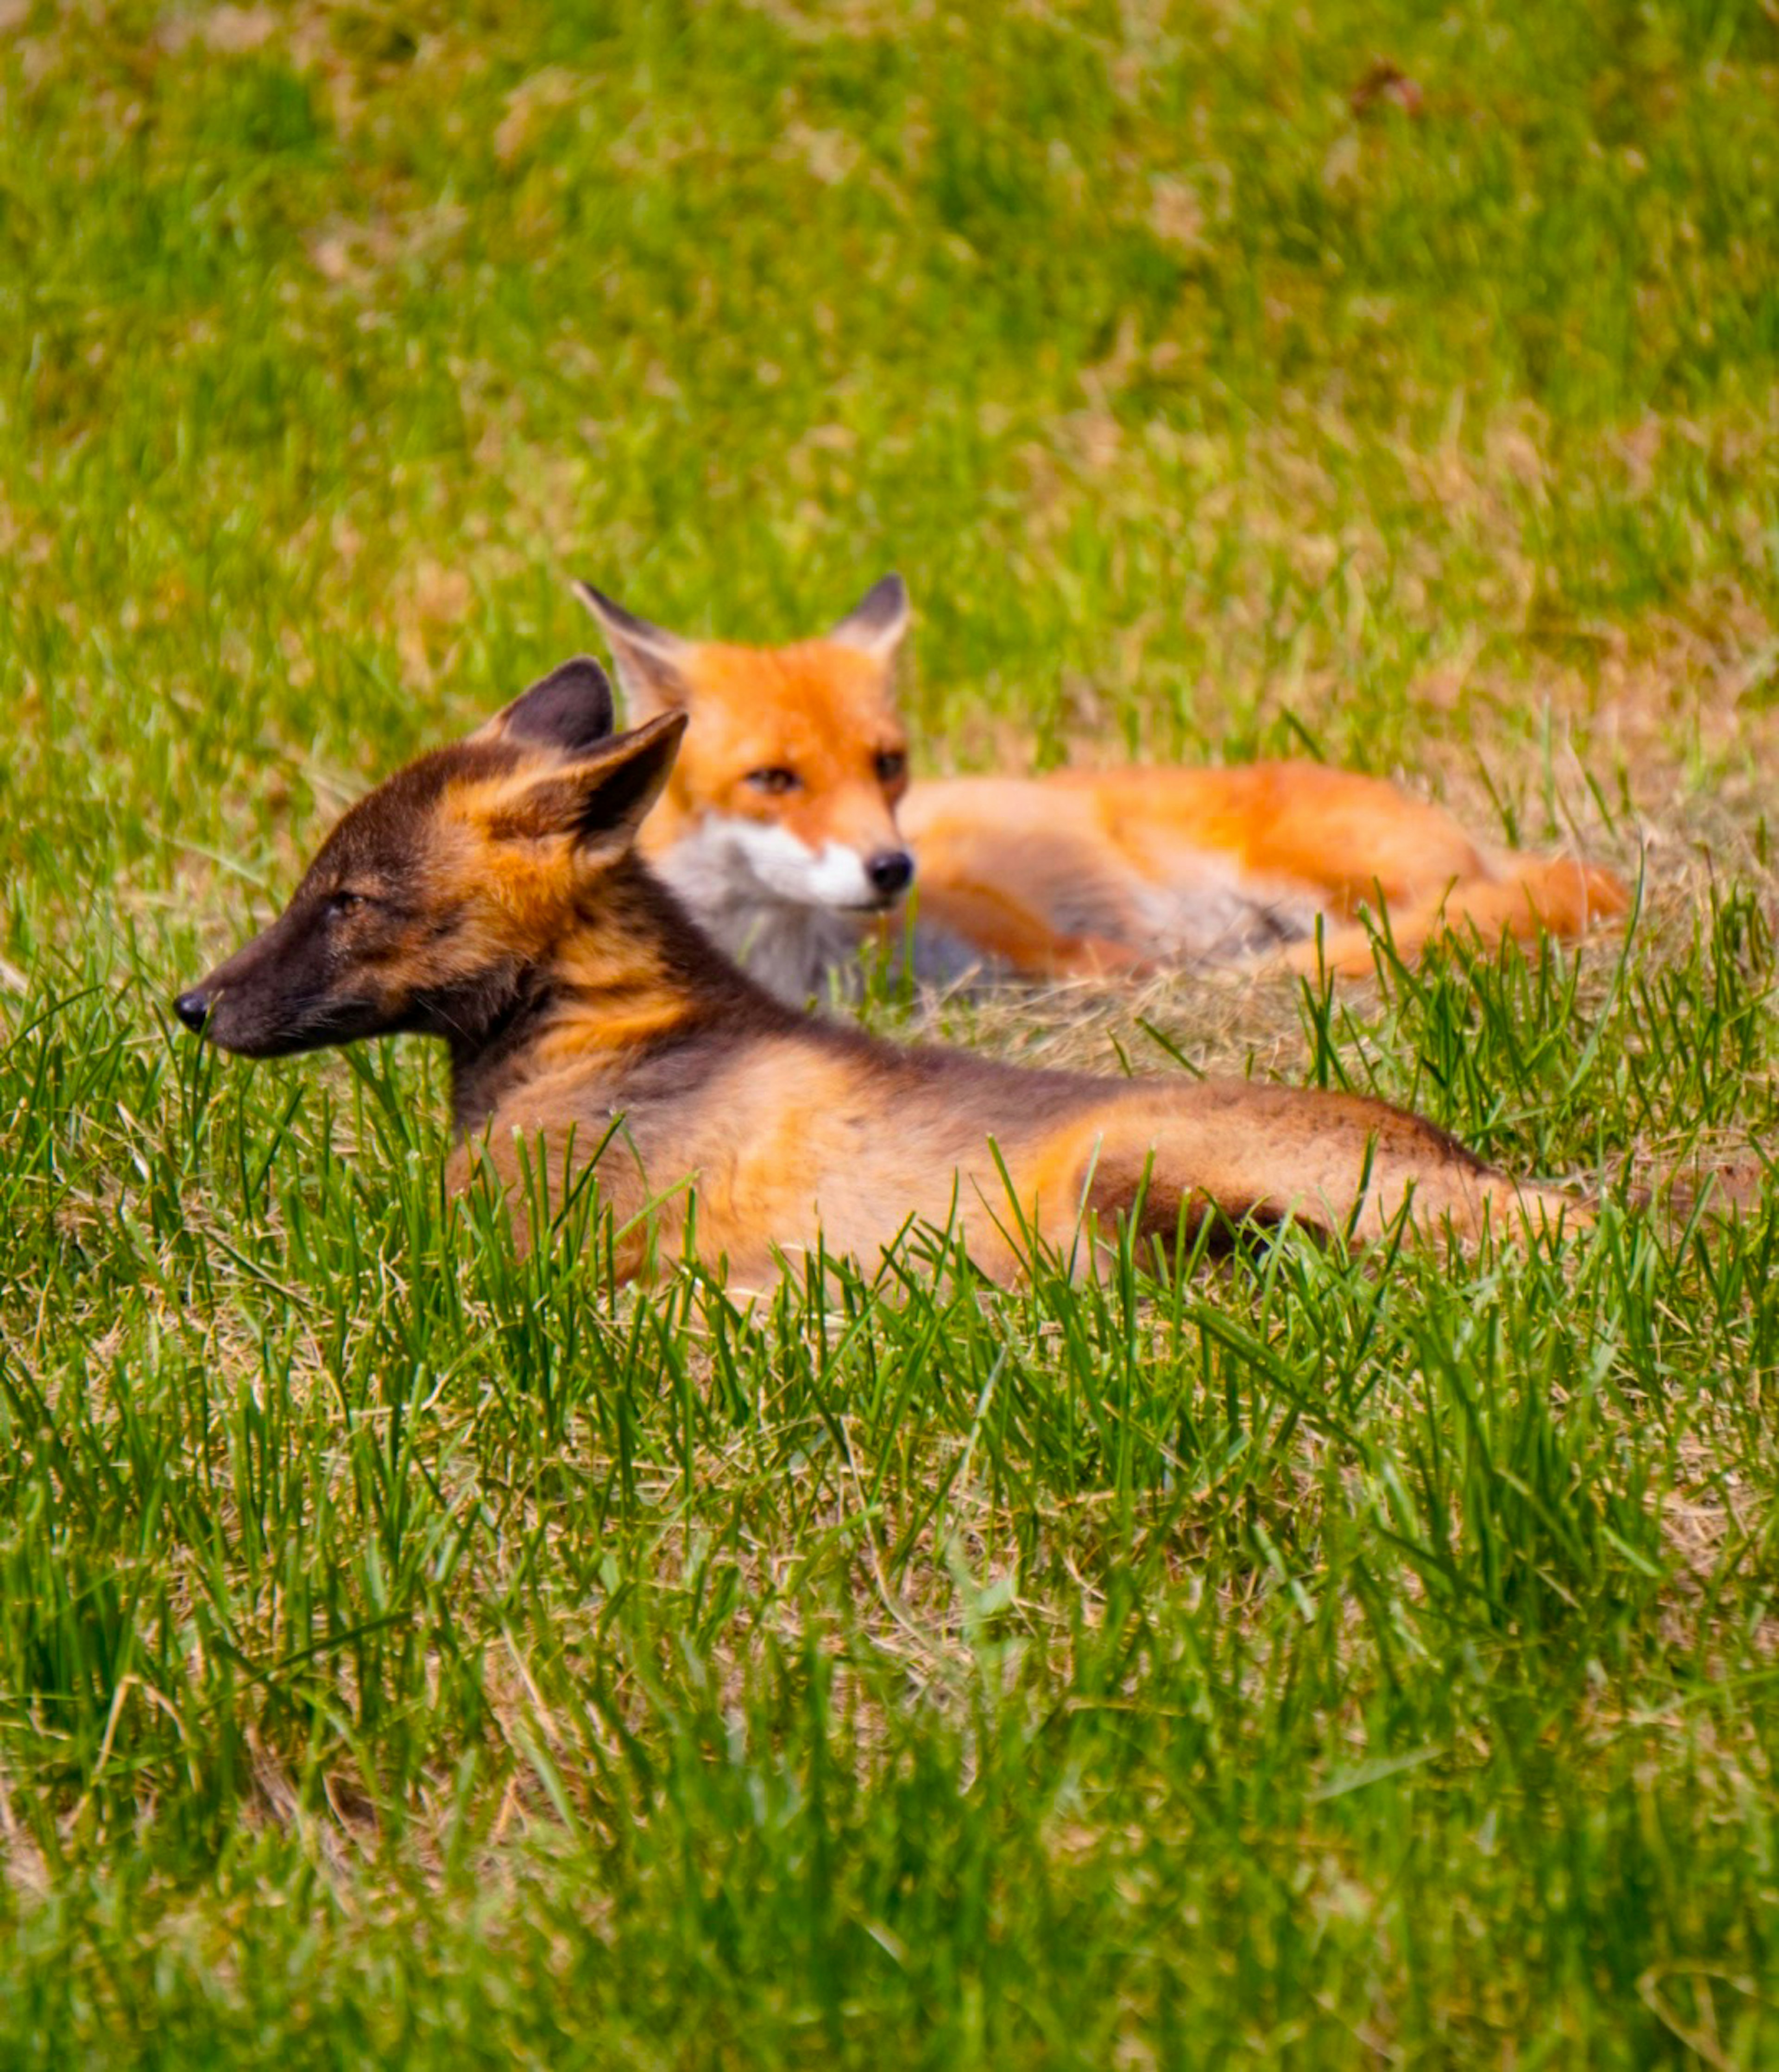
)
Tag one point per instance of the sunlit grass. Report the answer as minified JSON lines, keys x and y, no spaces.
{"x":414,"y":1652}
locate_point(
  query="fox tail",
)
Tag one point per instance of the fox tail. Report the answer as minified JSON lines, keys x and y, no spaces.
{"x":1523,"y":896}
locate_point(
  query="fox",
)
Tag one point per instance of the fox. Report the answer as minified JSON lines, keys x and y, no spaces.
{"x":791,"y":828}
{"x":495,"y":895}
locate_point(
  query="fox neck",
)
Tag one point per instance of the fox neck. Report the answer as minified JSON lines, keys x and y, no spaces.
{"x":792,"y":948}
{"x":629,"y":971}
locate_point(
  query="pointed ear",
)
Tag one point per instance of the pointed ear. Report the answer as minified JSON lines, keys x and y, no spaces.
{"x":878,"y":624}
{"x":570,"y":710}
{"x":601,"y":801}
{"x":650,"y":660}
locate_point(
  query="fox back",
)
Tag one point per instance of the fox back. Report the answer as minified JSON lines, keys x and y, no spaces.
{"x":491,"y":895}
{"x":780,"y":827}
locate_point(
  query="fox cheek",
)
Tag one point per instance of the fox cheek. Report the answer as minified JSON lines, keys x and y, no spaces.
{"x":832,"y":874}
{"x":471,"y":950}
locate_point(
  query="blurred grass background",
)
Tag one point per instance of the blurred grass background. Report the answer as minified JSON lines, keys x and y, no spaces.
{"x":411,"y":1655}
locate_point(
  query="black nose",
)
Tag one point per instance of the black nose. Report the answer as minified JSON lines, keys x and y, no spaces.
{"x":192,"y":1008}
{"x":890,"y":872}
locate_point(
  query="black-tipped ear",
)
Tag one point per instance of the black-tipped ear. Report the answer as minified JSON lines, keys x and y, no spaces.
{"x":570,"y":710}
{"x":878,"y":624}
{"x":603,"y":800}
{"x":649,"y":659}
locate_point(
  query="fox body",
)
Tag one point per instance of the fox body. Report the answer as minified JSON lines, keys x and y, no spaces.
{"x":794,"y":783}
{"x":491,"y":895}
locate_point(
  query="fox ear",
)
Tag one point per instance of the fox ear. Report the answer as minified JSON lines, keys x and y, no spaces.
{"x":650,"y":659}
{"x":570,"y":710}
{"x":878,"y":624}
{"x":601,"y":801}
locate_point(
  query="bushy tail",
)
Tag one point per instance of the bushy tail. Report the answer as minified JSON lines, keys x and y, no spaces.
{"x":1524,"y":897}
{"x":1560,"y":895}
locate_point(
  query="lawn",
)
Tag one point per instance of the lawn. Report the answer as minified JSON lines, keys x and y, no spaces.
{"x":415,"y":1655}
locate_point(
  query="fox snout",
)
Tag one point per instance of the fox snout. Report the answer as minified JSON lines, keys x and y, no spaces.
{"x":434,"y":895}
{"x":219,"y":1008}
{"x":832,"y":873}
{"x":225,"y":1016}
{"x":891,"y":872}
{"x":836,"y":874}
{"x":279,"y":994}
{"x":202,"y":1010}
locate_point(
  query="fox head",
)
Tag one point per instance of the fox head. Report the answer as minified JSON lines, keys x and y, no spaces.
{"x":795,"y":759}
{"x":437,"y":898}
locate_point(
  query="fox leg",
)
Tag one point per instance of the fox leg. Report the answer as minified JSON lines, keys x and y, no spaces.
{"x":1339,"y":1163}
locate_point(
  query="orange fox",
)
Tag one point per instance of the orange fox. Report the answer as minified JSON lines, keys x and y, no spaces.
{"x":790,"y":821}
{"x":491,"y":893}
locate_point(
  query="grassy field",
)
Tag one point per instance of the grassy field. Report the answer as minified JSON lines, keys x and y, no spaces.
{"x":412,"y":1655}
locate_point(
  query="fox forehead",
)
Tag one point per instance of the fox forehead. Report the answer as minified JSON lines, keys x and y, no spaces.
{"x":818,"y":706}
{"x":389,"y":828}
{"x":457,"y":821}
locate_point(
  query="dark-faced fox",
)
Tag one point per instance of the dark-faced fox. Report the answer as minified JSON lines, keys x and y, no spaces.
{"x":789,"y":820}
{"x":491,"y":895}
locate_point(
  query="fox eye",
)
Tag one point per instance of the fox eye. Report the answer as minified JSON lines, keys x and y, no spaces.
{"x":891,"y":766}
{"x":345,"y":902}
{"x":775,"y":781}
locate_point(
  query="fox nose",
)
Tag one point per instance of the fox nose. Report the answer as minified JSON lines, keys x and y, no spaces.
{"x":891,"y":872}
{"x":191,"y":1007}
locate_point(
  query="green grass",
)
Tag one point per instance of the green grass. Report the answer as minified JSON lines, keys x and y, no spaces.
{"x":410,"y":1654}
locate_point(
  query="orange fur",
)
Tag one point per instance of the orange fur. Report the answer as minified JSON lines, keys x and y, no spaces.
{"x":1079,"y":872}
{"x":817,"y":707}
{"x":491,"y":895}
{"x":1155,"y":852}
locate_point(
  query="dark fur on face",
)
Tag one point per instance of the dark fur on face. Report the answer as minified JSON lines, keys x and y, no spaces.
{"x":435,"y":897}
{"x":489,"y":895}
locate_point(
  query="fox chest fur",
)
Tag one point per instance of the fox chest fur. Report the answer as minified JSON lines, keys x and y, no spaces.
{"x":789,"y":825}
{"x":491,"y":895}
